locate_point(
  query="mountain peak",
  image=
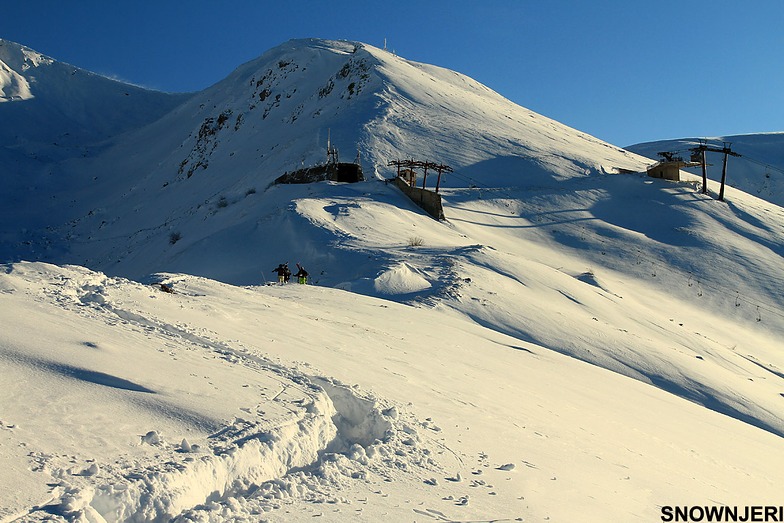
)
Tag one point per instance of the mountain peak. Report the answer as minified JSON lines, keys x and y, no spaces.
{"x":20,"y":57}
{"x":15,"y":60}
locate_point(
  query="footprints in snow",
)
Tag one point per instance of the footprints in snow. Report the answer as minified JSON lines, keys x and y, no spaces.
{"x":476,"y":483}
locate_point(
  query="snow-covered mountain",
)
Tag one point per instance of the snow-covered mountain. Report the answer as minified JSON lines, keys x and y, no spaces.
{"x":54,"y":117}
{"x":50,"y":106}
{"x":227,"y":144}
{"x":459,"y":336}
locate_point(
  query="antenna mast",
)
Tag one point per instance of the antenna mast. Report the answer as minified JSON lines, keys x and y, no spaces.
{"x":332,"y":153}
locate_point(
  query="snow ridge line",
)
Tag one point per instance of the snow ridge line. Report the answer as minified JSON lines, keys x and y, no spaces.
{"x":157,"y":496}
{"x":337,"y":433}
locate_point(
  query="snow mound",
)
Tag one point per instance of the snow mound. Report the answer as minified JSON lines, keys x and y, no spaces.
{"x":358,"y":420}
{"x":248,"y":469}
{"x":400,"y":279}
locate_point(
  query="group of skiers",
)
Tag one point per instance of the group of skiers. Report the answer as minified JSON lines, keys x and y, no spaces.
{"x":284,"y":273}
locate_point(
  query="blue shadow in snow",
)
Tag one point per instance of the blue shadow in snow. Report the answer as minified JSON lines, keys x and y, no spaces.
{"x":100,"y":378}
{"x":514,"y":171}
{"x":660,"y":215}
{"x":87,"y":375}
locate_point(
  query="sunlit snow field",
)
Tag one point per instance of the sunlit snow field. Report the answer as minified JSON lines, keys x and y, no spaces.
{"x":570,"y":344}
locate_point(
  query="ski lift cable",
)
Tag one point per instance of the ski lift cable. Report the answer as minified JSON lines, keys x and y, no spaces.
{"x":745,"y":156}
{"x":725,"y":291}
{"x":766,"y":165}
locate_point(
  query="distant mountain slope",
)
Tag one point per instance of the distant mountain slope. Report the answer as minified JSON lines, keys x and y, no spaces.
{"x":43,"y":102}
{"x":54,"y":118}
{"x":758,"y":171}
{"x":52,"y":111}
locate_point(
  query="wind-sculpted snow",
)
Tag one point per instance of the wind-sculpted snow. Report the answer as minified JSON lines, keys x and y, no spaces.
{"x":12,"y":85}
{"x":586,"y":250}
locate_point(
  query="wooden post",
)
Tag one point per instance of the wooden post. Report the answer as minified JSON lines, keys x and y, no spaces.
{"x":424,"y":178}
{"x":441,"y":170}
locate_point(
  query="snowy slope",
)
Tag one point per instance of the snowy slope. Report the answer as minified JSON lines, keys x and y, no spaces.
{"x":13,"y":86}
{"x":54,"y":117}
{"x":758,"y":171}
{"x":221,"y":403}
{"x":546,"y":253}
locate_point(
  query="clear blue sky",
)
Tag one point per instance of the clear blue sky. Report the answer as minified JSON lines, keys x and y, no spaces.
{"x":625,"y":71}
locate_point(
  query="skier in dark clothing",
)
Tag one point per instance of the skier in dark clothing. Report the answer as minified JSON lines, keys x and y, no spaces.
{"x":284,"y":273}
{"x":302,"y":274}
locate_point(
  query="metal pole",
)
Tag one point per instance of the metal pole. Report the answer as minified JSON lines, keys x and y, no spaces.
{"x":723,"y":174}
{"x":704,"y":174}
